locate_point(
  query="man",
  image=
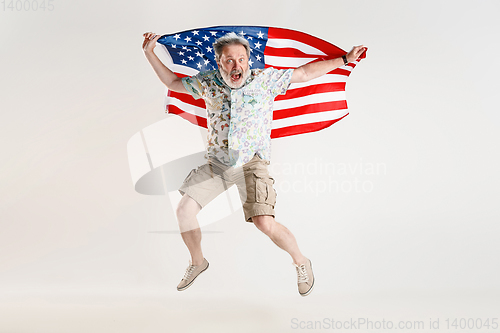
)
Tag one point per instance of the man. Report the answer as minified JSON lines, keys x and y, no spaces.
{"x":239,"y":105}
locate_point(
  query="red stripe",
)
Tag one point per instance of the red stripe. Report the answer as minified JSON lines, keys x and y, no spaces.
{"x":341,"y":71}
{"x":311,"y":108}
{"x":300,"y":129}
{"x":320,"y":44}
{"x":188,"y":116}
{"x":313,"y":89}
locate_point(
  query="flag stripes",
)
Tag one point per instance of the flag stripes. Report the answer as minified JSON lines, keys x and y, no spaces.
{"x":306,"y":107}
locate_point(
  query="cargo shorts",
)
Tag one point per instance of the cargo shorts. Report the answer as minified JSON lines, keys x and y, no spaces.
{"x":255,"y":186}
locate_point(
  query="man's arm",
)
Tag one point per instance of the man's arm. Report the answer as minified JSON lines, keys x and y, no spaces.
{"x":313,"y":70}
{"x":169,"y":78}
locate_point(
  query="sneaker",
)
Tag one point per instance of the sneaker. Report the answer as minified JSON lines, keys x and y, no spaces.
{"x":305,"y":278}
{"x":191,"y":273}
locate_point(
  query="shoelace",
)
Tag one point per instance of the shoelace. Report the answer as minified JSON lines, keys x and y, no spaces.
{"x":302,"y":276}
{"x":189,"y":271}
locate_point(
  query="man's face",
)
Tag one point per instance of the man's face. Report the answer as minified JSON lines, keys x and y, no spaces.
{"x":233,"y":65}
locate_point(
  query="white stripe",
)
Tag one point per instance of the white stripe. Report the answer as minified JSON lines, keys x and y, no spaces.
{"x":311,"y":99}
{"x":183,"y":70}
{"x":286,"y":61}
{"x":346,"y":68}
{"x":328,"y":78}
{"x":309,"y":118}
{"x":285,"y":43}
{"x":186,"y":107}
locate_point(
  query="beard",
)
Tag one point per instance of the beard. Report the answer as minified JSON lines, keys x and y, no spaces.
{"x":244,"y":75}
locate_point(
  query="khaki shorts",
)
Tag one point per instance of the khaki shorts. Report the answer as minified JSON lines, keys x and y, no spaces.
{"x":255,"y":186}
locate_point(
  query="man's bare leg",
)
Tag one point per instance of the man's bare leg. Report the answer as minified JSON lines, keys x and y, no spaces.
{"x":186,"y":213}
{"x":280,"y":235}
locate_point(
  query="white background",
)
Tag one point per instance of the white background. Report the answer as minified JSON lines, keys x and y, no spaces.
{"x":82,"y":251}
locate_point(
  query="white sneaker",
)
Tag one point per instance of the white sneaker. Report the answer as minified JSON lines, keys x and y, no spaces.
{"x":191,"y":274}
{"x":305,"y":278}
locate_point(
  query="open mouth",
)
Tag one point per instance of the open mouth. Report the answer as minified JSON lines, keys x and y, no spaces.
{"x":235,"y":76}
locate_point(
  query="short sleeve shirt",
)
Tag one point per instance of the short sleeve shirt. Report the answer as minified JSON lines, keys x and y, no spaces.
{"x":239,"y":120}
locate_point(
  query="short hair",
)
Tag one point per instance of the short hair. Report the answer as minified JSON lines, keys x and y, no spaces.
{"x":229,"y":39}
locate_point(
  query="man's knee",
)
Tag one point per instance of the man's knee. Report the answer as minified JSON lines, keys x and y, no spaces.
{"x":264,"y":223}
{"x":187,"y":209}
{"x":182,"y":213}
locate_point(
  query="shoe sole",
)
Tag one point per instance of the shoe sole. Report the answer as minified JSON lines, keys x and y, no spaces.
{"x":314,"y":280}
{"x":308,"y":292}
{"x":190,"y":283}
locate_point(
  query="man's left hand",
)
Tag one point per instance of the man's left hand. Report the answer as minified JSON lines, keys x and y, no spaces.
{"x":355,"y":53}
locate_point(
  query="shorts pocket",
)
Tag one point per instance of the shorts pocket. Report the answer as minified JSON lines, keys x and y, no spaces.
{"x":190,"y":175}
{"x":264,"y":191}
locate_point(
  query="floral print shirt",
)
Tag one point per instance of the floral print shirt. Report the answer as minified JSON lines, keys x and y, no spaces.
{"x":239,"y":120}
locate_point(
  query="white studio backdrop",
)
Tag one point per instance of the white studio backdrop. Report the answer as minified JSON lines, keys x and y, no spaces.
{"x":399,"y":197}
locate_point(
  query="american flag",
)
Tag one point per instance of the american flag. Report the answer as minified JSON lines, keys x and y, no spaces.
{"x":306,"y":107}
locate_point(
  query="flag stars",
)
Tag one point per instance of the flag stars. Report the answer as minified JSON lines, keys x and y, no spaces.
{"x":202,"y":56}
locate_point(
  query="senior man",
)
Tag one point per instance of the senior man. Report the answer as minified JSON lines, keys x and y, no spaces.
{"x":239,"y":103}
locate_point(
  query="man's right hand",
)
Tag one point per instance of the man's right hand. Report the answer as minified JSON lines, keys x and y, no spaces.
{"x":169,"y":78}
{"x":149,"y":43}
